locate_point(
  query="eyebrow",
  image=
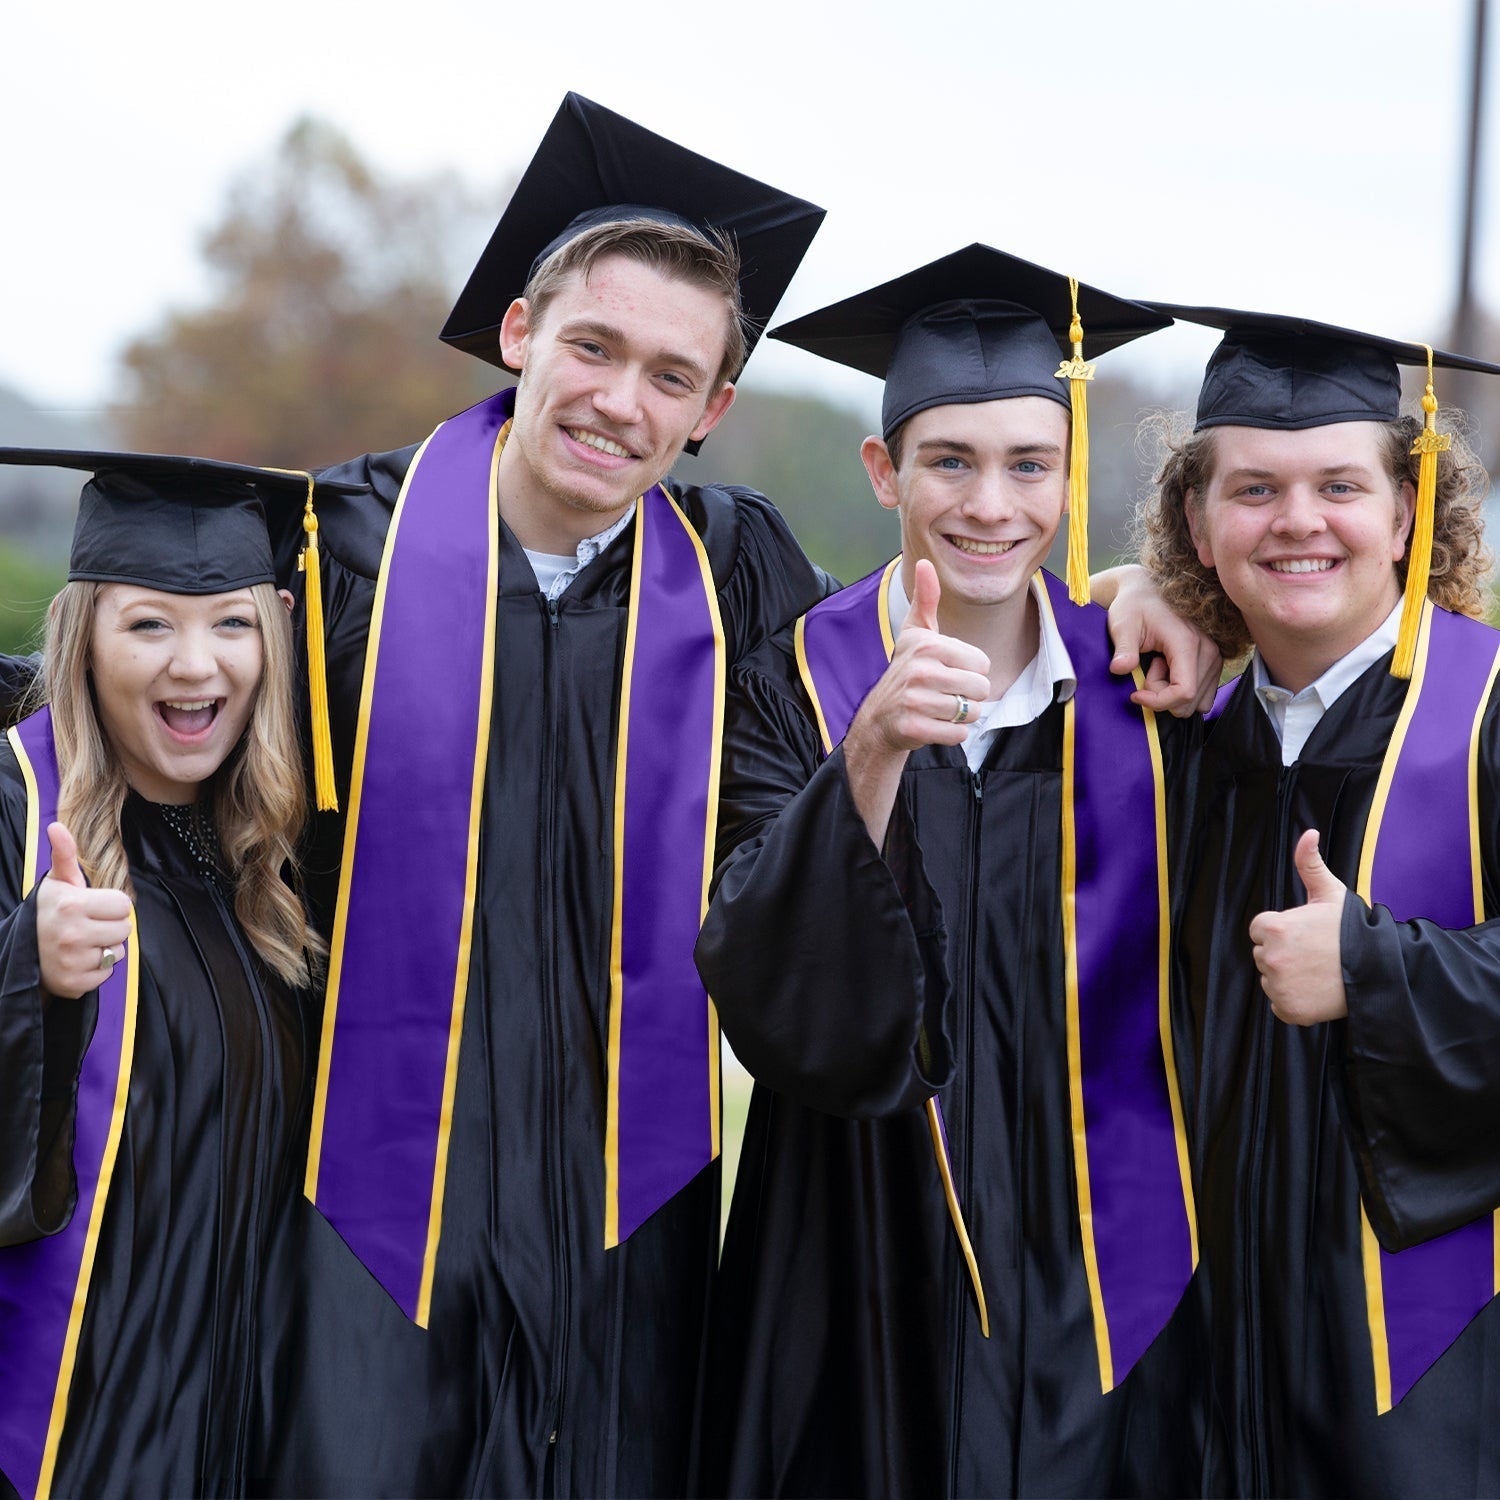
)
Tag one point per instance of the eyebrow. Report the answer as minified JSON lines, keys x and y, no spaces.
{"x":968,"y":450}
{"x":1358,"y":470}
{"x":607,"y":333}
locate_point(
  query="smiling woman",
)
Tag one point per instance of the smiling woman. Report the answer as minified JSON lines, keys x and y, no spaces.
{"x":155,"y":1031}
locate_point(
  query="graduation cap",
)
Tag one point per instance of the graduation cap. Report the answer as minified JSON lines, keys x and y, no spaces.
{"x":981,"y":325}
{"x":1293,"y":373}
{"x":1290,"y":373}
{"x":195,"y":526}
{"x":596,"y":167}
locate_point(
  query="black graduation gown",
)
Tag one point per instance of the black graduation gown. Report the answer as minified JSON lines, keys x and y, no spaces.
{"x":1400,"y":1103}
{"x":549,"y":1364}
{"x":848,"y":1357}
{"x":175,"y":1347}
{"x":17,"y":674}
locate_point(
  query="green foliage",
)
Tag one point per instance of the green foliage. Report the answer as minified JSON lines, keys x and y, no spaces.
{"x":804,"y":454}
{"x":26,"y":588}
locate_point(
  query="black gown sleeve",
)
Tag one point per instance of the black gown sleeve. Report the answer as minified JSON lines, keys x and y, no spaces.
{"x":1421,"y":1063}
{"x":40,"y":1052}
{"x":18,"y":676}
{"x":824,"y":955}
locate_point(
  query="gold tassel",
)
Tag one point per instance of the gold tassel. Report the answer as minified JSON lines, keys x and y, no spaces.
{"x":1430,"y":442}
{"x":1076,"y":372}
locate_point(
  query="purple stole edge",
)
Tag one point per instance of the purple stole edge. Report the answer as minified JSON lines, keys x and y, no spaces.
{"x":40,"y":1280}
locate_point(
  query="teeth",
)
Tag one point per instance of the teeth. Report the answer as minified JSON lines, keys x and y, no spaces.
{"x":982,"y":549}
{"x":192,"y":706}
{"x":1303,"y":565}
{"x":593,"y":440}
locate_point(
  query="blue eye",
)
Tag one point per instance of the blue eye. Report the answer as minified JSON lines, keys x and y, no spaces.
{"x":147,"y":627}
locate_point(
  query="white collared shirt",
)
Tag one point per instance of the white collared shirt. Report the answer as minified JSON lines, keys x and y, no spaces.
{"x":1047,"y":678}
{"x":555,"y":571}
{"x":1294,"y":716}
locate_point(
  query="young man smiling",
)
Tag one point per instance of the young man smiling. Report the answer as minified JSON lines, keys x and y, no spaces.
{"x":529,"y":628}
{"x":962,"y":1217}
{"x":1345,"y":1046}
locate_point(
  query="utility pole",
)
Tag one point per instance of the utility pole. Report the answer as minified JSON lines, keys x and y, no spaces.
{"x":1465,"y":388}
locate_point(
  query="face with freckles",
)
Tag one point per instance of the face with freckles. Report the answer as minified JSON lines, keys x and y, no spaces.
{"x":981,"y":490}
{"x":617,"y":374}
{"x":1304,"y":529}
{"x":175,"y":679}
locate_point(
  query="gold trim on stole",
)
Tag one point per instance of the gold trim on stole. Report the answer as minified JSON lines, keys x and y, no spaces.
{"x":888,"y":639}
{"x":111,"y":1141}
{"x":346,"y":870}
{"x":710,"y":833}
{"x":1369,"y":1245}
{"x":1078,"y":1122}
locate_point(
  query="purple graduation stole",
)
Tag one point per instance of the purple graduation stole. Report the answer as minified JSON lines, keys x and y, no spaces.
{"x":399,"y":968}
{"x":1130,"y":1148}
{"x":44,"y":1285}
{"x":1421,"y":858}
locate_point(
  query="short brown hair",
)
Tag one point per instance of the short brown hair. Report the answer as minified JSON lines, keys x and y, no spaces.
{"x":709,"y":259}
{"x":1185,"y":467}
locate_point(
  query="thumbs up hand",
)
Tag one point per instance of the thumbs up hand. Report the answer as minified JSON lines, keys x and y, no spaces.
{"x":1298,"y":952}
{"x":80,"y":932}
{"x":927,"y":696}
{"x":929,"y":693}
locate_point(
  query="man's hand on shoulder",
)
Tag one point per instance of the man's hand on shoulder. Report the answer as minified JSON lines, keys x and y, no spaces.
{"x":1183,"y":677}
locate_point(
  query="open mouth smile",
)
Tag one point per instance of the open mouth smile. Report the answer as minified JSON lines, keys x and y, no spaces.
{"x":188,"y":720}
{"x":598,"y":442}
{"x":1303,"y":565}
{"x":981,"y":549}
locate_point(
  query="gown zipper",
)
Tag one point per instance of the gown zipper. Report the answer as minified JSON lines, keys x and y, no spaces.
{"x":552,"y":1074}
{"x":1259,"y":1459}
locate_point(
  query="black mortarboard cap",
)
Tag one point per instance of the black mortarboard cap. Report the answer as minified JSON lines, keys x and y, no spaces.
{"x":1290,"y":373}
{"x":182,"y":525}
{"x":977,"y":325}
{"x":593,"y":167}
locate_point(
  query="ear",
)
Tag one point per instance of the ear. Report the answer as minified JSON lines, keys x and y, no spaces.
{"x":286,"y":598}
{"x":1196,"y":528}
{"x":876,"y":458}
{"x":718,"y":404}
{"x":515,"y":327}
{"x":1404,"y":519}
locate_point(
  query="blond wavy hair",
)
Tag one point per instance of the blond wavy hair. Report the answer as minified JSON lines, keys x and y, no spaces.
{"x":1184,"y":463}
{"x":259,"y":793}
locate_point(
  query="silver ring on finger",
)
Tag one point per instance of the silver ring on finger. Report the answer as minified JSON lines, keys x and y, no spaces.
{"x":108,"y":958}
{"x":961,"y":709}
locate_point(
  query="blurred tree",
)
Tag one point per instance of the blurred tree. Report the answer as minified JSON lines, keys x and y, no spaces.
{"x":333,"y":282}
{"x":26,"y":587}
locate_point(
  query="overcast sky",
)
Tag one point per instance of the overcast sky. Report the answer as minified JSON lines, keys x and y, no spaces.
{"x":1300,"y":156}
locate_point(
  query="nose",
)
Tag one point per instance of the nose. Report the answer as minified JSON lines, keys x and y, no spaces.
{"x":617,"y":396}
{"x":193,"y":657}
{"x":989,"y":500}
{"x":1299,"y":514}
